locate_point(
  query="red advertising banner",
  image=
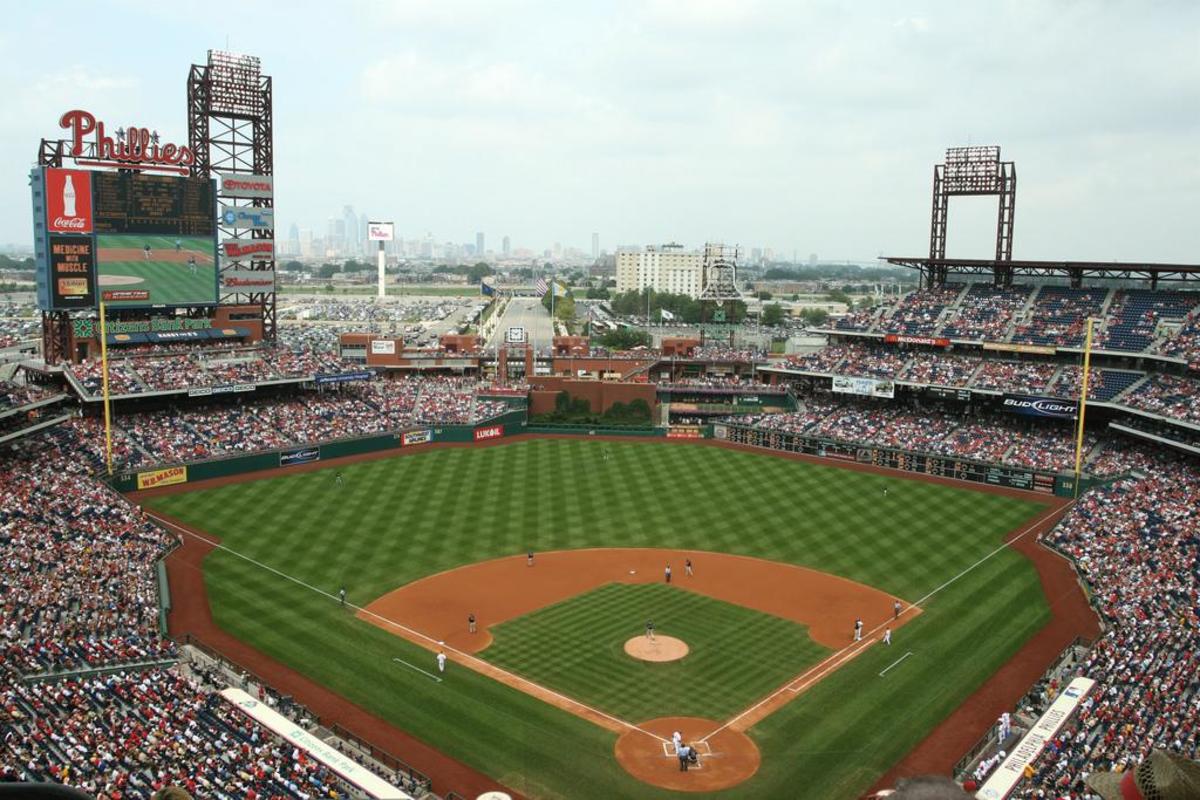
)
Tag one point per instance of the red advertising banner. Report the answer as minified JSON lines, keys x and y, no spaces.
{"x":68,"y":201}
{"x":932,"y":341}
{"x":250,"y":249}
{"x":490,"y":432}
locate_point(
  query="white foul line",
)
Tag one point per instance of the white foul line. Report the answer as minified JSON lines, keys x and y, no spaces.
{"x":418,"y":669}
{"x":848,"y":652}
{"x":894,"y":663}
{"x":462,"y":657}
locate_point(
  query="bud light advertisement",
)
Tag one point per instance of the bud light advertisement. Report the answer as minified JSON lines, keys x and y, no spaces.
{"x":1044,"y":407}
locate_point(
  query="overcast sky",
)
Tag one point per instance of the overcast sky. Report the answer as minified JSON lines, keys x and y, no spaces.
{"x":806,"y":126}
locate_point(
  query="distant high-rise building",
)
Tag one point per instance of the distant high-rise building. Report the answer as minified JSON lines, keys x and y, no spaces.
{"x":595,"y":246}
{"x":479,"y":251}
{"x":506,"y":246}
{"x":812,"y":258}
{"x":293,"y":246}
{"x":364,"y":223}
{"x":350,"y":231}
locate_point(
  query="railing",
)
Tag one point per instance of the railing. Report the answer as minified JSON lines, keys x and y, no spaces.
{"x":412,"y":776}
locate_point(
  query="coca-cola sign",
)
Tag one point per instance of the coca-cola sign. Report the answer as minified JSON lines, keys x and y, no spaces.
{"x":90,"y":144}
{"x":68,"y":201}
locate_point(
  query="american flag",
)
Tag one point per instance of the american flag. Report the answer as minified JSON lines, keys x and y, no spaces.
{"x":541,"y":287}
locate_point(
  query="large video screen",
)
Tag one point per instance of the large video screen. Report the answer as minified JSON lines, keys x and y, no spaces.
{"x":155,"y":238}
{"x":139,"y":270}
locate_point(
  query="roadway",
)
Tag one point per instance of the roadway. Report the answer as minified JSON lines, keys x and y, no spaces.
{"x":527,"y":313}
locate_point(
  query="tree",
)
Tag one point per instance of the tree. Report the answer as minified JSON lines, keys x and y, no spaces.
{"x":478,"y":272}
{"x":624,"y":339}
{"x":764,"y":295}
{"x":327,"y":270}
{"x":814,"y":317}
{"x":564,"y":305}
{"x":772,"y":315}
{"x":600,"y":293}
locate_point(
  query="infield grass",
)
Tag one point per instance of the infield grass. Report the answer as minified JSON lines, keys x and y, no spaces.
{"x":399,"y":519}
{"x":577,"y":647}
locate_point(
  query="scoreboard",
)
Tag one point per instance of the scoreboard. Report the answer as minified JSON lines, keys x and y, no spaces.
{"x":164,"y":205}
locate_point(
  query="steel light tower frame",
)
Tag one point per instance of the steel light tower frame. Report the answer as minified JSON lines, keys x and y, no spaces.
{"x":719,"y":277}
{"x":974,"y":171}
{"x":231,"y":130}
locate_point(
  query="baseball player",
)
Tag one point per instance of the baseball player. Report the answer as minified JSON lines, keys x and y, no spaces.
{"x":667,"y":573}
{"x":677,"y":740}
{"x":192,"y":264}
{"x":178,"y":245}
{"x":858,"y":630}
{"x":885,"y":490}
{"x":441,"y":659}
{"x":470,"y":623}
{"x":337,"y":478}
{"x":650,"y":629}
{"x":887,"y":636}
{"x":342,"y":595}
{"x":896,"y":609}
{"x":146,"y":251}
{"x":687,"y":567}
{"x":529,"y":559}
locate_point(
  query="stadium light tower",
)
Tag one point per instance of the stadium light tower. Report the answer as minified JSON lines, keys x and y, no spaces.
{"x":719,"y":276}
{"x":974,"y":171}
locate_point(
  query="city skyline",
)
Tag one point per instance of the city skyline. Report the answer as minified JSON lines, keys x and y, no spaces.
{"x":802,"y":130}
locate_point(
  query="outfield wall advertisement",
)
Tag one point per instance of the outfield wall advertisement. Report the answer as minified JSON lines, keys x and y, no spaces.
{"x":162,"y":477}
{"x":409,"y":438}
{"x":490,"y":432}
{"x":302,"y":455}
{"x":867,"y":387}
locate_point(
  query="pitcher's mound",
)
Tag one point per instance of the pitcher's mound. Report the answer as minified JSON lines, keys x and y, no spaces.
{"x":660,"y":648}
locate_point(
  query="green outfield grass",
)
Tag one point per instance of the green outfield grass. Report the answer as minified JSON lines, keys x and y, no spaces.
{"x":576,"y":647}
{"x":165,"y":274}
{"x":399,"y":519}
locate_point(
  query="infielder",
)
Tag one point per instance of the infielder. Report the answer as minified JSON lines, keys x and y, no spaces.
{"x":441,"y":659}
{"x":687,"y":567}
{"x":529,"y":559}
{"x":896,"y":609}
{"x":146,"y":251}
{"x":858,"y":630}
{"x":667,"y":573}
{"x":470,"y":623}
{"x":192,"y":264}
{"x":178,"y":245}
{"x":887,"y":636}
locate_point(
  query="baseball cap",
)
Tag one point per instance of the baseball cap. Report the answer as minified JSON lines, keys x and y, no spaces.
{"x":1161,"y":776}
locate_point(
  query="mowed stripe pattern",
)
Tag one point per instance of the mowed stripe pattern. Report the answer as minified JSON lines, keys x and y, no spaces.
{"x":399,"y":519}
{"x":576,"y":647}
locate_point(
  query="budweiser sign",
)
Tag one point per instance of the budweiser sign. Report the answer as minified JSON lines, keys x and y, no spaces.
{"x":127,"y":147}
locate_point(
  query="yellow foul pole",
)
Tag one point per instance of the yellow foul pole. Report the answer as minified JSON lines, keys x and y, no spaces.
{"x":104,"y":385}
{"x":1083,"y":393}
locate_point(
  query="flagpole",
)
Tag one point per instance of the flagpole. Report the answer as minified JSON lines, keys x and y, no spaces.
{"x":104,"y":385}
{"x":1083,"y":391}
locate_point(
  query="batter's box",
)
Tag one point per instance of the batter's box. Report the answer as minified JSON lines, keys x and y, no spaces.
{"x":701,"y":748}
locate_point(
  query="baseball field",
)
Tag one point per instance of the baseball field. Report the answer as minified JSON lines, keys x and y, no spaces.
{"x":176,"y":270}
{"x":544,"y":698}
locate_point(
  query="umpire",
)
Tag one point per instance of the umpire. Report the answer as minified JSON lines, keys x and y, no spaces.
{"x":685,"y":756}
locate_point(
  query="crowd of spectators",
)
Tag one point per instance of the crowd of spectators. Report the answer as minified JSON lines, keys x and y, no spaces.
{"x":1131,"y":323}
{"x":716,"y":352}
{"x":986,"y":313}
{"x":1020,"y":377}
{"x":919,"y":313}
{"x":941,"y":369}
{"x":1185,"y":343}
{"x":175,"y":369}
{"x":825,"y":360}
{"x":15,"y":395}
{"x":1136,"y":543}
{"x":1166,"y":395}
{"x":1058,"y":316}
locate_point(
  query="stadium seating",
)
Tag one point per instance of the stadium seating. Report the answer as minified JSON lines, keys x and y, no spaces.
{"x":919,"y":313}
{"x":1185,"y":343}
{"x":1058,"y":316}
{"x":986,"y":313}
{"x":1133,"y":318}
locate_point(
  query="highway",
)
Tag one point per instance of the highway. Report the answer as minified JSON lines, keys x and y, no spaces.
{"x":527,"y":313}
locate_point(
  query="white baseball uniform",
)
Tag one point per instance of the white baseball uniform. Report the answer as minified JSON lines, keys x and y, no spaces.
{"x":441,"y":659}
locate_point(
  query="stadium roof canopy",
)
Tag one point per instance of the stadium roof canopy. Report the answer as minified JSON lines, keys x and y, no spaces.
{"x":934,"y":271}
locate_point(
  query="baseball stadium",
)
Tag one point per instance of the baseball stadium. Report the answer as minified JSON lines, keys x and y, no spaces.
{"x":261,"y":548}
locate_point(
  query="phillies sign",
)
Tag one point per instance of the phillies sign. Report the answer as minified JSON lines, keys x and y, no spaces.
{"x":133,"y":147}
